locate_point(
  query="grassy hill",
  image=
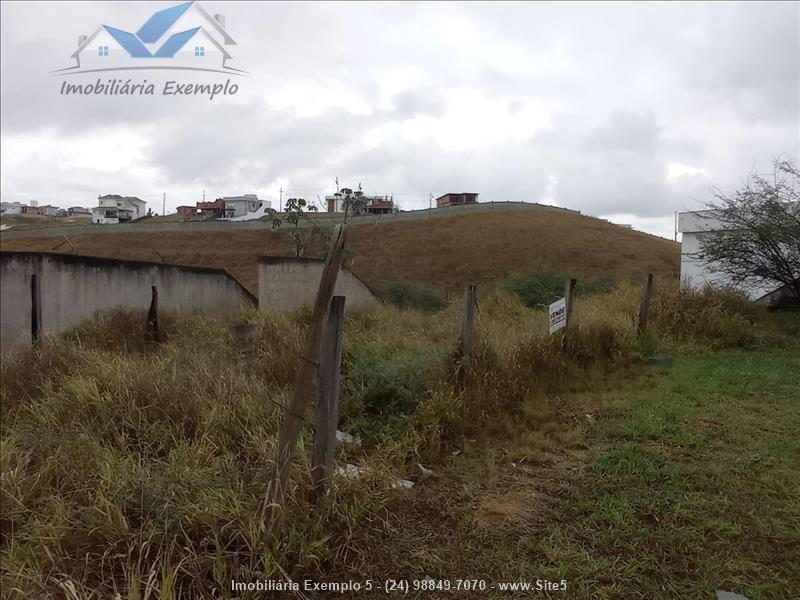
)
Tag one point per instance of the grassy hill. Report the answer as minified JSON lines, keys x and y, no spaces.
{"x":18,"y":222}
{"x":445,"y":252}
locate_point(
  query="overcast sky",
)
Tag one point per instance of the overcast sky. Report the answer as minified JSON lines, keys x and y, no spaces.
{"x":626,"y":111}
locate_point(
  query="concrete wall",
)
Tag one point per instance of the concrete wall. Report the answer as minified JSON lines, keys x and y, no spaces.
{"x":74,"y":288}
{"x":700,"y":220}
{"x":287,"y":282}
{"x":697,"y":273}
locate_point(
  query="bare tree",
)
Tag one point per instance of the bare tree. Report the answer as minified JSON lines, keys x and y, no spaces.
{"x":760,"y":236}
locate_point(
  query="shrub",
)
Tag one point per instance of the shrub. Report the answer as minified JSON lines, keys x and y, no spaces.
{"x":710,"y":316}
{"x":412,"y":295}
{"x":538,"y":289}
{"x":382,"y":386}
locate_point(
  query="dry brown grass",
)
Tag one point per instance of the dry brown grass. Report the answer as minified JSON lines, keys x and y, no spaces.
{"x":139,"y":469}
{"x":18,"y":222}
{"x":445,"y":252}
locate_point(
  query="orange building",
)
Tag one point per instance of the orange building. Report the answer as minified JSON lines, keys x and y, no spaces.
{"x":456,"y":199}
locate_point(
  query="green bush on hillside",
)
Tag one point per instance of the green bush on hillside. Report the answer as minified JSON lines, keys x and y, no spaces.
{"x":538,"y":289}
{"x":412,"y":295}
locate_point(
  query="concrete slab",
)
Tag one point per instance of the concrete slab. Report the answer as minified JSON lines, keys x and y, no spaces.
{"x":723,"y":595}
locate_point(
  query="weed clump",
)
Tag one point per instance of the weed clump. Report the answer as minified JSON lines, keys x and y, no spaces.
{"x":712,"y":317}
{"x":540,"y":289}
{"x":536,"y":290}
{"x":411,"y":295}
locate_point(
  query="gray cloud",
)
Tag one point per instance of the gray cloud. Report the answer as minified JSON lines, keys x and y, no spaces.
{"x":625,"y":131}
{"x":611,"y":109}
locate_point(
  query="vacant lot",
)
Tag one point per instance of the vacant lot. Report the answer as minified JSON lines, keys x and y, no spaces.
{"x":653,"y":484}
{"x":445,"y":252}
{"x":139,"y":469}
{"x":17,"y":222}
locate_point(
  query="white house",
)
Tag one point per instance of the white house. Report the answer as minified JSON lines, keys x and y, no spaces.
{"x":11,"y":208}
{"x":240,"y":206}
{"x":50,"y":211}
{"x":694,"y":225}
{"x":185,"y":34}
{"x":114,"y":208}
{"x":375,"y":205}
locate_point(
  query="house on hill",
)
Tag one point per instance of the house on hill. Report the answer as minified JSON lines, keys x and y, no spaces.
{"x":214,"y":209}
{"x":44,"y":211}
{"x":229,"y":207}
{"x":12,"y":208}
{"x":376,"y":205}
{"x":456,"y":199}
{"x":113,"y":209}
{"x":185,"y":33}
{"x":50,"y":211}
{"x":187,"y":212}
{"x":239,"y":206}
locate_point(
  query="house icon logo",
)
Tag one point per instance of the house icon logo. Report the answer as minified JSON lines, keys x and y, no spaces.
{"x":183,"y":37}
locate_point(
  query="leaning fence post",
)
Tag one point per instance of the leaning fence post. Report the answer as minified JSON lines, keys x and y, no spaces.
{"x":153,"y":332}
{"x":326,"y":413}
{"x":644,"y":306}
{"x":569,"y":295}
{"x":294,"y":413}
{"x":36,"y":309}
{"x":468,"y":326}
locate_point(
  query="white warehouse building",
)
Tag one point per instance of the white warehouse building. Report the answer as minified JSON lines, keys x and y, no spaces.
{"x":695,"y":272}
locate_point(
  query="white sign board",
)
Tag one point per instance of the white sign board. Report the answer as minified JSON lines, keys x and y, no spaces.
{"x":558,"y":315}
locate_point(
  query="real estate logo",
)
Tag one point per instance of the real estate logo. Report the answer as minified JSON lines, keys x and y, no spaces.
{"x":179,"y":38}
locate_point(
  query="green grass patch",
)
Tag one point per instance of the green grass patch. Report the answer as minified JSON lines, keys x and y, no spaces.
{"x":538,"y":289}
{"x":681,"y":482}
{"x":416,"y":296}
{"x":700,"y":484}
{"x":632,"y":460}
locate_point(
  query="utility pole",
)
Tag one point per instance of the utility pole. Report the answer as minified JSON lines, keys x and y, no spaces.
{"x":430,"y":201}
{"x":280,"y":202}
{"x":204,"y":195}
{"x":164,"y":205}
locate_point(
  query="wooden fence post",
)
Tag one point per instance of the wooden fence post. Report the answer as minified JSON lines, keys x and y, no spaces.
{"x":468,"y":326}
{"x":569,"y":296}
{"x":644,"y":307}
{"x":326,"y":411}
{"x":304,"y":383}
{"x":153,"y":333}
{"x":36,"y":309}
